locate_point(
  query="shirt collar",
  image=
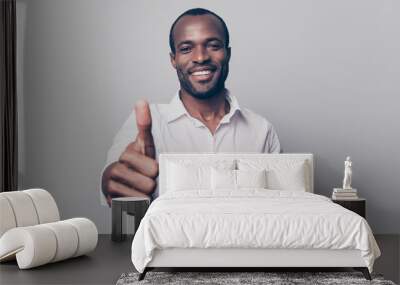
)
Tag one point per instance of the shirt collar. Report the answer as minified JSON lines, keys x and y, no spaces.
{"x":177,"y":109}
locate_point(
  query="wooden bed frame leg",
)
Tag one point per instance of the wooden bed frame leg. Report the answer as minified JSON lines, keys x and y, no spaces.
{"x":364,"y":271}
{"x":143,"y":274}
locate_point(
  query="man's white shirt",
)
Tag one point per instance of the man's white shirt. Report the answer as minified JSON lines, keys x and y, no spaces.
{"x":175,"y":130}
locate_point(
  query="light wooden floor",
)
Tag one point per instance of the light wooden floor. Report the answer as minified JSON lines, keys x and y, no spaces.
{"x":110,"y":260}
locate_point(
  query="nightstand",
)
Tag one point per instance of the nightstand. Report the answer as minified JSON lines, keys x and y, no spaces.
{"x":357,"y":205}
{"x":133,"y":206}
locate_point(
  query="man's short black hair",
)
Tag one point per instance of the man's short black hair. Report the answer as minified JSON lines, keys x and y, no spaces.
{"x":197,"y":12}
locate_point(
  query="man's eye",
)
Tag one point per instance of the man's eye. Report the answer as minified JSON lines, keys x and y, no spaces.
{"x":215,"y":46}
{"x":185,"y":49}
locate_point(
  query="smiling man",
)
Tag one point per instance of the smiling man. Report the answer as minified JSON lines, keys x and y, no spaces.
{"x":203,"y":116}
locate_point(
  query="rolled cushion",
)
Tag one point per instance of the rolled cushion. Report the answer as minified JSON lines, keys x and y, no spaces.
{"x":23,"y":208}
{"x":46,"y":207}
{"x":45,"y":243}
{"x":33,"y":246}
{"x":87,"y":233}
{"x":7,"y":218}
{"x":27,"y":208}
{"x":67,"y":240}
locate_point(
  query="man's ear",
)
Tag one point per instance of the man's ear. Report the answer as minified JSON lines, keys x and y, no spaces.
{"x":228,"y":53}
{"x":172,"y":58}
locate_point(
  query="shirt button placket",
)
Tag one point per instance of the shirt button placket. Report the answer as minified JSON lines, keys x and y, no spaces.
{"x":214,"y":140}
{"x":214,"y":143}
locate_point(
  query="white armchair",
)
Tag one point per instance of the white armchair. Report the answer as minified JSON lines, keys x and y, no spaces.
{"x":31,"y":231}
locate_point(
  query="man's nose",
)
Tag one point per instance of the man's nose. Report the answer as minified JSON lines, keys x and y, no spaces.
{"x":200,"y":55}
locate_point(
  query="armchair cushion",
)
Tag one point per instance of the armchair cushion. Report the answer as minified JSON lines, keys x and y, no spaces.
{"x":40,"y":244}
{"x":31,"y":232}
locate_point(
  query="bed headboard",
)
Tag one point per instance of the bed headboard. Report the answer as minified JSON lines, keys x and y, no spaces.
{"x":164,"y":158}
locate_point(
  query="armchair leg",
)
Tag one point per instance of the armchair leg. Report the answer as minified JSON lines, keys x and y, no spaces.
{"x":364,"y":271}
{"x":143,"y":274}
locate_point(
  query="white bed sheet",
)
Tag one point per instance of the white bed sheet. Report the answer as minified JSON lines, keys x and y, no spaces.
{"x":250,"y":218}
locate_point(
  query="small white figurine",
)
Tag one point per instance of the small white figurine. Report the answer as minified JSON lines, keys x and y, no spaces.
{"x":347,"y":174}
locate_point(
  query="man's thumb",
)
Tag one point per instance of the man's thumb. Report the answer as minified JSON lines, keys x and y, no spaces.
{"x":143,"y":122}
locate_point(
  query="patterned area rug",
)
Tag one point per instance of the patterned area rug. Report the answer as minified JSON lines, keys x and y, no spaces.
{"x":269,"y":278}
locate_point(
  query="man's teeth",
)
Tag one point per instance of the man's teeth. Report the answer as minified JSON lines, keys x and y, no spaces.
{"x":203,"y":72}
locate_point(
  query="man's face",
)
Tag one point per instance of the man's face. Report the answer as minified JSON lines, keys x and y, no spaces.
{"x":201,"y":58}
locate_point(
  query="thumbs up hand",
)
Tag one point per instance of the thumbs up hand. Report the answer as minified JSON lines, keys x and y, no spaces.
{"x":144,"y":141}
{"x":135,"y":172}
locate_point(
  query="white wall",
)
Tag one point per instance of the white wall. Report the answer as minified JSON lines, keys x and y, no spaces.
{"x":325,"y":73}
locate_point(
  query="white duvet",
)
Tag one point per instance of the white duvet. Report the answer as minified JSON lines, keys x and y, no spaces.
{"x":250,"y":218}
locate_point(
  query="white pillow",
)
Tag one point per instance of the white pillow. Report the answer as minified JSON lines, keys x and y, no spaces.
{"x":184,"y":177}
{"x":281,"y":174}
{"x":223,"y":179}
{"x":251,"y":178}
{"x":287,"y":179}
{"x":227,"y":179}
{"x":187,"y":174}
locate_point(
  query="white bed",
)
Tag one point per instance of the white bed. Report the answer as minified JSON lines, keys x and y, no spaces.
{"x":201,"y":221}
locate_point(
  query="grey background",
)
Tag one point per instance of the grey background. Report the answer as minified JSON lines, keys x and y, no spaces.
{"x":325,"y":73}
